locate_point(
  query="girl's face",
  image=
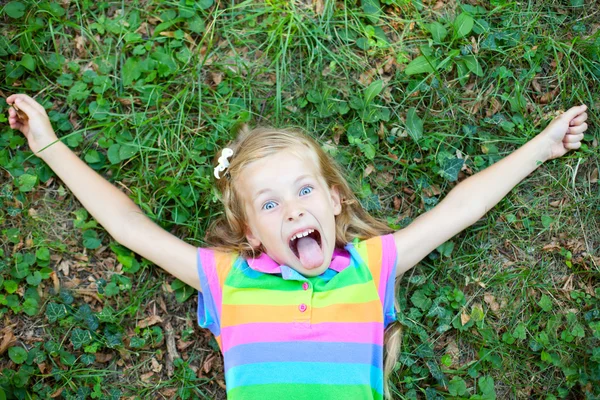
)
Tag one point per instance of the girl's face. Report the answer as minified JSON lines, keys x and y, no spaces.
{"x":285,"y":198}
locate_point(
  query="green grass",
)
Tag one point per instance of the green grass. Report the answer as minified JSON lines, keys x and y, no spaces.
{"x":506,"y":309}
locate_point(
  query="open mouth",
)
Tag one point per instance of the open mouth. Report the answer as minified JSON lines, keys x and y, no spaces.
{"x":309,"y":233}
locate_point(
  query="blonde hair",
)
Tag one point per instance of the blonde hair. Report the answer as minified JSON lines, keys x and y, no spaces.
{"x":228,"y":231}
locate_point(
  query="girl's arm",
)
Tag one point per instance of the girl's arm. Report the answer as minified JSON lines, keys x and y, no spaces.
{"x":474,"y":197}
{"x":116,"y":212}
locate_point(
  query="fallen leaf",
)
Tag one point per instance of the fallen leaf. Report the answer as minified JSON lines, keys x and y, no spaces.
{"x":491,"y":302}
{"x":370,"y":168}
{"x":8,"y":338}
{"x":156,"y":366}
{"x":495,"y":106}
{"x":57,"y":393}
{"x":318,"y":7}
{"x":55,"y":281}
{"x":151,"y":320}
{"x":147,"y":376}
{"x":43,"y":368}
{"x":217,"y":77}
{"x":547,"y":97}
{"x":453,"y":351}
{"x":181,"y":345}
{"x":464,"y":318}
{"x":64,"y":267}
{"x":594,"y":176}
{"x":104,"y":357}
{"x":169,"y":392}
{"x":208,"y":363}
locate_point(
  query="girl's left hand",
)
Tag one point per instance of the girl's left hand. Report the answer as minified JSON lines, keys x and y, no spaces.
{"x":566,"y":131}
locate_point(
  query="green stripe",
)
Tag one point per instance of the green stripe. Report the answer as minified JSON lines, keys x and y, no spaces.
{"x":349,"y":276}
{"x":360,"y":293}
{"x":303,"y":392}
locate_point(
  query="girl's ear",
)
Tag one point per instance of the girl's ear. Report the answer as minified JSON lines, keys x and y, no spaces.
{"x":336,"y":200}
{"x":252,"y":239}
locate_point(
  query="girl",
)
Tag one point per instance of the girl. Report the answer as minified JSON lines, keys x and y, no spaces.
{"x":298,"y":285}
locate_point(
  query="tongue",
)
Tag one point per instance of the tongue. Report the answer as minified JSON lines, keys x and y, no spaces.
{"x":310,"y":252}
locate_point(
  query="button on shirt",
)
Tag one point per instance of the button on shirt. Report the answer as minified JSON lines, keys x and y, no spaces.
{"x":281,"y":332}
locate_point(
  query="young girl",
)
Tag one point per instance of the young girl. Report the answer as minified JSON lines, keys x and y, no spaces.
{"x":298,"y":285}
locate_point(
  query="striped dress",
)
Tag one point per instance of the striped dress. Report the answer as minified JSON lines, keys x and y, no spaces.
{"x":284,"y":335}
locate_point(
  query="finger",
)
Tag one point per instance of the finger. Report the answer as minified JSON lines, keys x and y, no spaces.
{"x":574,"y":112}
{"x":572,"y":146}
{"x":21,"y":97}
{"x":24,"y":106}
{"x":13,"y":117}
{"x":579,"y":119}
{"x":573,"y":138}
{"x":16,"y":125}
{"x":576,"y":130}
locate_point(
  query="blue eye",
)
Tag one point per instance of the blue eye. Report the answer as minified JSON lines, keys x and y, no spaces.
{"x":269,"y":205}
{"x":305,"y":190}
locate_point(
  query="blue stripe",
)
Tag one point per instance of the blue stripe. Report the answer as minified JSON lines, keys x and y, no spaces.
{"x":322,"y":352}
{"x":389,"y":311}
{"x":207,"y":311}
{"x":320,"y":373}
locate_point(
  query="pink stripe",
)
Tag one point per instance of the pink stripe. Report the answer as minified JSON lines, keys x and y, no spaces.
{"x":207,"y":258}
{"x":388,"y":256}
{"x":368,"y":332}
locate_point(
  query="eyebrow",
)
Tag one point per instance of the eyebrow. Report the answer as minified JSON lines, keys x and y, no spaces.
{"x":265,"y":190}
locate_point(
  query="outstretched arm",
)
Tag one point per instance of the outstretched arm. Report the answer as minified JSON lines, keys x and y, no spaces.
{"x":474,"y":197}
{"x":116,"y":212}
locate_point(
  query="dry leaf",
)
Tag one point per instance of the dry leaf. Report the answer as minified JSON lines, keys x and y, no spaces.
{"x":156,"y":366}
{"x":57,"y":393}
{"x":495,"y":106}
{"x":594,"y":176}
{"x":491,"y":302}
{"x":464,"y":318}
{"x":104,"y":357}
{"x":208,"y":363}
{"x":370,"y":168}
{"x":64,"y":267}
{"x":8,"y":338}
{"x":217,"y":77}
{"x":181,"y":345}
{"x":397,"y":203}
{"x":453,"y":351}
{"x":147,"y":376}
{"x":548,"y":97}
{"x":151,"y":320}
{"x":55,"y":282}
{"x":169,"y":392}
{"x":43,"y":368}
{"x":318,"y":7}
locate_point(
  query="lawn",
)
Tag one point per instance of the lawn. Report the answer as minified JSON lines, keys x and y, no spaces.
{"x":410,"y":97}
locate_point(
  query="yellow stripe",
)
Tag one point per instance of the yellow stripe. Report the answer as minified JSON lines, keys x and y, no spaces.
{"x":359,"y":293}
{"x":374,"y":249}
{"x":239,"y":314}
{"x":223,"y":263}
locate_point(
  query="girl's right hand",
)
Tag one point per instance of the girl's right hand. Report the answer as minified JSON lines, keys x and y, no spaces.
{"x":34,"y":124}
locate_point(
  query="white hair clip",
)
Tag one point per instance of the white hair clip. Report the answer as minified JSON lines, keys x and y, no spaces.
{"x":223,"y":162}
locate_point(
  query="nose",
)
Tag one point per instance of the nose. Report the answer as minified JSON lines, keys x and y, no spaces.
{"x":295,"y":214}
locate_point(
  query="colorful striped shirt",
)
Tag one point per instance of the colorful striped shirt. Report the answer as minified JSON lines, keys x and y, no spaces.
{"x":284,"y":335}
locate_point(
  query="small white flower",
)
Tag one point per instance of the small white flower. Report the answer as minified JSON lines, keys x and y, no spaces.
{"x":223,"y":162}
